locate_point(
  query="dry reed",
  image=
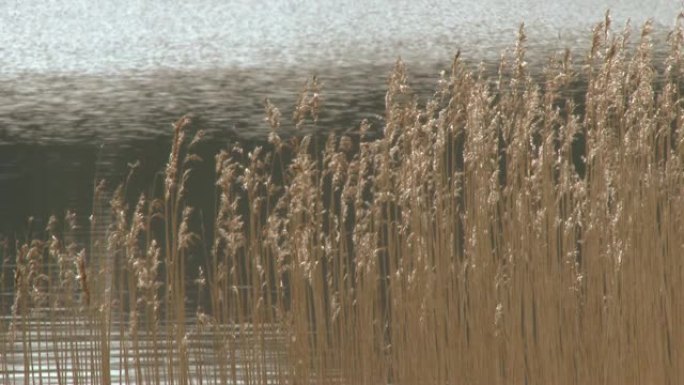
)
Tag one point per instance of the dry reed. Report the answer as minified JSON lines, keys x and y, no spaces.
{"x":505,"y":232}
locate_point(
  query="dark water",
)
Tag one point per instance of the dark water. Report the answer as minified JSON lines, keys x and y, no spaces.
{"x":86,"y":89}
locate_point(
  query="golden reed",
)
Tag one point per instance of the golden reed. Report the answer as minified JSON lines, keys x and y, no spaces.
{"x":505,"y":232}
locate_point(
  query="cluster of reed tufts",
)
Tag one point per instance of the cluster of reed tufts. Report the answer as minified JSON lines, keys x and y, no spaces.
{"x":505,"y":232}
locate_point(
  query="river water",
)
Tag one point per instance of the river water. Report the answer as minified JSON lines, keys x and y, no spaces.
{"x":89,"y":86}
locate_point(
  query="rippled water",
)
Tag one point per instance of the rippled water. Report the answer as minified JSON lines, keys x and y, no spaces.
{"x":78,"y":36}
{"x":87,"y":87}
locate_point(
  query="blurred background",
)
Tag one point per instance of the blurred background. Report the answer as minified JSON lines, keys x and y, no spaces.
{"x":87,"y":87}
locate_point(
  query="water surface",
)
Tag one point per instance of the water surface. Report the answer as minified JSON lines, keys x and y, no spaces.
{"x":86,"y":87}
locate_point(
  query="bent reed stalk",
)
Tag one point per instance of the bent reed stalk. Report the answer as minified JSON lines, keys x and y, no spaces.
{"x":503,"y":233}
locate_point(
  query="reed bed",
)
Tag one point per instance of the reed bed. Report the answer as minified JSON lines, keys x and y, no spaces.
{"x":506,"y":231}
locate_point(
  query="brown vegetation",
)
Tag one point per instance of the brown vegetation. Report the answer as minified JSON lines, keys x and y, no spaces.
{"x":499,"y":234}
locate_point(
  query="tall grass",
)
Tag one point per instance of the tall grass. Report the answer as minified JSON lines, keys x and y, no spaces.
{"x":504,"y":232}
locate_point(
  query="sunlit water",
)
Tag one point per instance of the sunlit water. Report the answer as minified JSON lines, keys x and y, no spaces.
{"x":48,"y":350}
{"x":73,"y":71}
{"x":78,"y":36}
